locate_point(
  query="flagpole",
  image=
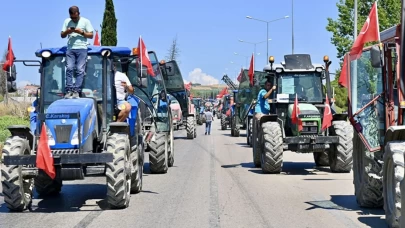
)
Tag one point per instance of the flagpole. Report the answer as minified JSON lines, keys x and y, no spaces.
{"x":140,"y":53}
{"x":353,"y":75}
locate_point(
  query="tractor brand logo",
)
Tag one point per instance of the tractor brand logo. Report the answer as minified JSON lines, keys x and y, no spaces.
{"x":309,"y":116}
{"x":57,"y":116}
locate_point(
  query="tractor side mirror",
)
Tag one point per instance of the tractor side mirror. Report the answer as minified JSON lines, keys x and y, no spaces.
{"x":11,"y":79}
{"x":375,"y":56}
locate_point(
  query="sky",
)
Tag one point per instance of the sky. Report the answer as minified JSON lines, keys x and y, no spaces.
{"x":207,"y":31}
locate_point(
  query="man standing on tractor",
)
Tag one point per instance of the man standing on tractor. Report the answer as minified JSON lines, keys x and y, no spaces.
{"x":122,"y":85}
{"x":262,"y":106}
{"x":78,"y":29}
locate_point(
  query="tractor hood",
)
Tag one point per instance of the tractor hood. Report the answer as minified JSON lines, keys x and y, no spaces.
{"x":64,"y":128}
{"x":305,"y":109}
{"x":175,"y":106}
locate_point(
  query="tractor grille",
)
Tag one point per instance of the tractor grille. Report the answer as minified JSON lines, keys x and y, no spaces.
{"x":175,"y":112}
{"x":63,"y":133}
{"x":309,"y":127}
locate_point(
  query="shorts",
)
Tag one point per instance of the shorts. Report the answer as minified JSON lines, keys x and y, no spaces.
{"x":120,"y":102}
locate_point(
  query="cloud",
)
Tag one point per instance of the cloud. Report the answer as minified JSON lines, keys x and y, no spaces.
{"x":23,"y":83}
{"x":185,"y":81}
{"x":197,"y":76}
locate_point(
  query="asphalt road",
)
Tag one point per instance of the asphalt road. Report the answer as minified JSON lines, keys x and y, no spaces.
{"x":213,"y":184}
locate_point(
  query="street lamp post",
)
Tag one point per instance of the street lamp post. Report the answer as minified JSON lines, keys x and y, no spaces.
{"x":267,"y":22}
{"x":254,"y":44}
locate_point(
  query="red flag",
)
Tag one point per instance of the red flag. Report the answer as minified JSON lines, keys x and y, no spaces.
{"x":144,"y":56}
{"x":240,"y":75}
{"x":327,"y":115}
{"x":370,"y":32}
{"x":44,"y":155}
{"x":96,"y":40}
{"x":251,"y":69}
{"x":343,"y":73}
{"x":10,"y":56}
{"x":294,"y":116}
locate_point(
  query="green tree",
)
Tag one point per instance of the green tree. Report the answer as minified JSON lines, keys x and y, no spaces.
{"x":389,"y":13}
{"x":109,"y":26}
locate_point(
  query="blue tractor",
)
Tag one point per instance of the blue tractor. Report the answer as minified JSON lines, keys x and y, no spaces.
{"x":157,"y":121}
{"x":82,"y":133}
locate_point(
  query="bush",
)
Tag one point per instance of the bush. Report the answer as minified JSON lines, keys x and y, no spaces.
{"x":12,"y":114}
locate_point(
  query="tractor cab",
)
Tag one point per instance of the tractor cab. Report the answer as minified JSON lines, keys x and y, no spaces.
{"x":298,"y":77}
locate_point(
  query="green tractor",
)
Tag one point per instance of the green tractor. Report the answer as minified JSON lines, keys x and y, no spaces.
{"x":274,"y":134}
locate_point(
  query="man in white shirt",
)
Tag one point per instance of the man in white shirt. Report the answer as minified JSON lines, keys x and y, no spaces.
{"x":122,"y":85}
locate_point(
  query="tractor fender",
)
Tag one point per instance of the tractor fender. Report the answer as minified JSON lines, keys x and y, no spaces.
{"x":119,"y":127}
{"x":268,"y":118}
{"x":339,"y":116}
{"x":394,"y":133}
{"x":23,"y":132}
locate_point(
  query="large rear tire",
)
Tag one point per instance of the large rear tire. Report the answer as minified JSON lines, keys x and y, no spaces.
{"x":272,"y":144}
{"x":341,"y":154}
{"x":223,"y":122}
{"x":367,"y":175}
{"x":16,"y":190}
{"x":118,"y":172}
{"x":170,"y":147}
{"x":393,"y":174}
{"x":190,"y":125}
{"x":158,"y":157}
{"x":249,"y":131}
{"x":236,"y":130}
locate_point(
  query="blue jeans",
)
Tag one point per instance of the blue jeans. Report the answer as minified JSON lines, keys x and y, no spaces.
{"x":208,"y":127}
{"x":75,"y":58}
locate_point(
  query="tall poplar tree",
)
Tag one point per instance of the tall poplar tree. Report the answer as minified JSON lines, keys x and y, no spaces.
{"x":109,"y":26}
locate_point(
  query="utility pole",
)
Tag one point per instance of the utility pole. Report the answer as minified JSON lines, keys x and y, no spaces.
{"x":292,"y":26}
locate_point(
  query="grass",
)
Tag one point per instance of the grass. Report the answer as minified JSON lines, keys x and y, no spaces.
{"x":12,"y":114}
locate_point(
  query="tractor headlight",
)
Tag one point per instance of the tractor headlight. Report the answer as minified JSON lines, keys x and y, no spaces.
{"x":51,"y":139}
{"x":319,"y":69}
{"x":279,"y":70}
{"x":46,"y":54}
{"x":75,"y":138}
{"x":175,"y":116}
{"x":31,"y":109}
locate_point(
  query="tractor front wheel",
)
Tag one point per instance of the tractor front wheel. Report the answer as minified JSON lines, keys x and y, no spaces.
{"x":341,"y":154}
{"x":272,"y":144}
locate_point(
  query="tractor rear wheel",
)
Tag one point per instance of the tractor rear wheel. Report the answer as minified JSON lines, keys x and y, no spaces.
{"x":341,"y":154}
{"x":190,"y":125}
{"x":367,"y":175}
{"x":257,"y":149}
{"x":223,"y":122}
{"x":272,"y":144}
{"x":170,"y":147}
{"x":158,"y":155}
{"x":236,"y":130}
{"x":393,"y":174}
{"x":118,"y":171}
{"x":16,"y":190}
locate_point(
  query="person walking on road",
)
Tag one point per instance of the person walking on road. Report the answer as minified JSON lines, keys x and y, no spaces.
{"x":209,"y":117}
{"x":78,"y":29}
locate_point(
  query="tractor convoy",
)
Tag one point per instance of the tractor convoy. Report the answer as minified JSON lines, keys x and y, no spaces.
{"x":83,"y":134}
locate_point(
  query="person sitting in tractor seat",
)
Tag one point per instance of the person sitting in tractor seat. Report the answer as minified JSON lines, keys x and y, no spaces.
{"x":122,"y":85}
{"x":262,"y":105}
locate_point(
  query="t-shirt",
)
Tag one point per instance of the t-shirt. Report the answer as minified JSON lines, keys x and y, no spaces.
{"x":262,"y":105}
{"x":75,"y":40}
{"x":118,"y":78}
{"x":209,"y":116}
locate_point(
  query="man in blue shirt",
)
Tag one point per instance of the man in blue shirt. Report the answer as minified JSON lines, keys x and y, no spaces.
{"x":78,"y":29}
{"x":262,"y":106}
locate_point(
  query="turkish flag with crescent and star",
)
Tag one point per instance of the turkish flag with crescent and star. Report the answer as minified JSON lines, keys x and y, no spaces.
{"x":327,"y":115}
{"x":144,"y":57}
{"x":294,"y":116}
{"x":369,"y":32}
{"x":251,"y":69}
